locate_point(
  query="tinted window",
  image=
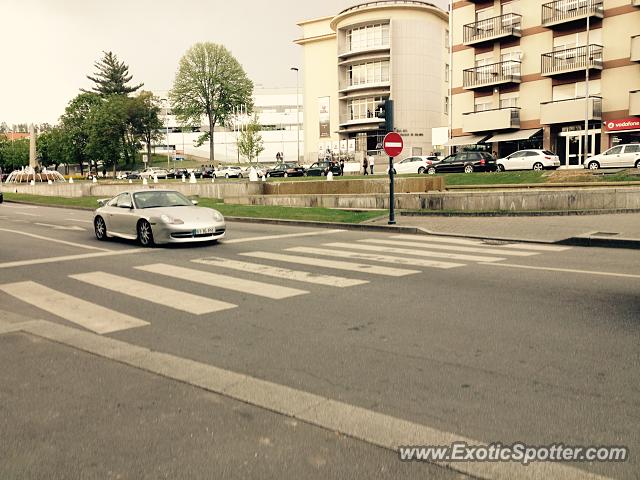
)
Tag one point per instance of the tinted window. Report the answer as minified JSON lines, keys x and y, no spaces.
{"x":124,"y":200}
{"x":632,"y":149}
{"x":515,"y":155}
{"x":473,"y":156}
{"x":614,"y":150}
{"x":531,"y":154}
{"x":547,"y":152}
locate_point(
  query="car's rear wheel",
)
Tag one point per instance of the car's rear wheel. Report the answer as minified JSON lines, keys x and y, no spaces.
{"x":239,"y":175}
{"x":431,"y":170}
{"x":145,"y":234}
{"x":500,"y":168}
{"x":421,"y":170}
{"x":538,"y":167}
{"x":638,"y":164}
{"x":100,"y":227}
{"x":468,"y":169}
{"x":594,"y":165}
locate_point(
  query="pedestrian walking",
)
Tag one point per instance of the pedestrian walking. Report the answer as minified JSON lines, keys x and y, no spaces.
{"x":278,"y":157}
{"x":365,"y":164}
{"x":372,"y":162}
{"x":342,"y":167}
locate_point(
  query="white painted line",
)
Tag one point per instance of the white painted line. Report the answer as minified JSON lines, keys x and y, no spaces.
{"x":414,"y":252}
{"x":283,"y":273}
{"x":86,"y":314}
{"x":354,"y":267}
{"x":260,"y":289}
{"x":367,"y":425}
{"x":565,"y":270}
{"x":287,"y":235}
{"x":471,"y":242}
{"x":457,"y":248}
{"x":416,"y":262}
{"x":147,"y":292}
{"x":69,"y":258}
{"x":79,"y":220}
{"x":61,"y":227}
{"x":29,"y":214}
{"x":55,"y":240}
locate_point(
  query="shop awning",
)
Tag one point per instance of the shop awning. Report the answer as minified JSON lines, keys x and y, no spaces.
{"x":466,"y":140}
{"x":517,"y":135}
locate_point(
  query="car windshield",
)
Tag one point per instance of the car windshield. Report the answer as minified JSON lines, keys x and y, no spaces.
{"x":161,"y":199}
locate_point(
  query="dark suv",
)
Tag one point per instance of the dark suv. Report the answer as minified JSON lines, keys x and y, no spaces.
{"x":466,"y":162}
{"x":322,"y":168}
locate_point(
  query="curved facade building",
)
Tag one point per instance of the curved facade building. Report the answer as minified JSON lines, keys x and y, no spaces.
{"x":367,"y":53}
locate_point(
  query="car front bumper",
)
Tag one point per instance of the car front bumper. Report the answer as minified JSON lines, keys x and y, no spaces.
{"x":186,"y":233}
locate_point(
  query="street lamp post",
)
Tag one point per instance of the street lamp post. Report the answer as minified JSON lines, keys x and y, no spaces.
{"x":586,"y":89}
{"x":297,"y":70}
{"x":166,"y":121}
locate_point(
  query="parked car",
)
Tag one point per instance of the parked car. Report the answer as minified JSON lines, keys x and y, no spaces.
{"x":177,"y":173}
{"x":286,"y":170}
{"x":156,"y":216}
{"x":621,"y":156}
{"x":418,"y":164}
{"x":228,"y":172}
{"x":154,"y":171}
{"x":122,"y":175}
{"x":466,"y":162}
{"x":529,"y":160}
{"x":135,"y":175}
{"x":323,"y":168}
{"x":260,"y":170}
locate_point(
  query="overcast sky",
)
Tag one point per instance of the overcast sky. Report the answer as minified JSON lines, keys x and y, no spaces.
{"x":49,"y":46}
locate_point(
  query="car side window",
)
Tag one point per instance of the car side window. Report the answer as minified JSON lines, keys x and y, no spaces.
{"x":531,"y":154}
{"x":632,"y":148}
{"x":124,"y":201}
{"x":473,"y":156}
{"x":461,"y":157}
{"x":114,"y":201}
{"x":614,"y":150}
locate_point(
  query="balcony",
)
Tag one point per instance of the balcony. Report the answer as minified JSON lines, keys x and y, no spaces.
{"x":483,"y":76}
{"x":565,"y":11}
{"x":495,"y":119}
{"x":635,"y":49}
{"x":570,"y":110}
{"x":491,"y":29}
{"x":634,"y":102}
{"x":572,"y":60}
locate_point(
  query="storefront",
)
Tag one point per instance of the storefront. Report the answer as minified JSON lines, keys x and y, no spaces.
{"x":569,"y":143}
{"x":623,"y":130}
{"x":508,"y":142}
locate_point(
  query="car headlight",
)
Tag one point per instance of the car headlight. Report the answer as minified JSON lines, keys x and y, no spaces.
{"x":171,"y":220}
{"x":217,"y":216}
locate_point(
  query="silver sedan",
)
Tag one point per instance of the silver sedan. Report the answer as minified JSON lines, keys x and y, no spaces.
{"x":157,"y":216}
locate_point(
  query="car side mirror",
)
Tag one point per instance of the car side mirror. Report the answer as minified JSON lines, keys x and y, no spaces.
{"x":103,"y":201}
{"x":195,"y":202}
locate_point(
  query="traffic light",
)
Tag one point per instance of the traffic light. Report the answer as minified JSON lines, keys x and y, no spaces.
{"x":384,"y":110}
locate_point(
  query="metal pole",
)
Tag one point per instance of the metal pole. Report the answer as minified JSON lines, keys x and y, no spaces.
{"x":166,"y":119}
{"x":392,"y":214}
{"x":586,"y":89}
{"x":297,"y":70}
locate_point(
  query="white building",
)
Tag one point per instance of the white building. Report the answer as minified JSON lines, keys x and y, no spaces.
{"x":277,"y":111}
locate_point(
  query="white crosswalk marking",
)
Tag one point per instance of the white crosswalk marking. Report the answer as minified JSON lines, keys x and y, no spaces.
{"x":416,"y":262}
{"x":284,"y":273}
{"x":88,"y":315}
{"x":472,"y":242}
{"x":148,"y":292}
{"x":354,"y":267}
{"x":415,"y":252}
{"x":261,"y":289}
{"x":457,"y":248}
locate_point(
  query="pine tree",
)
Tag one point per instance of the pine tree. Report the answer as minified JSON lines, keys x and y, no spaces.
{"x":112,"y":77}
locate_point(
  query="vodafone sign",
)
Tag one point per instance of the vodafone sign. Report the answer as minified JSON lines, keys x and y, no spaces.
{"x":631,"y":123}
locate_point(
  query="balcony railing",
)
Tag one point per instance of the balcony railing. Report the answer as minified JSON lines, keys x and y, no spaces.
{"x":493,"y":119}
{"x":572,"y":59}
{"x":570,"y":110}
{"x":635,"y":48}
{"x":563,"y":11}
{"x":503,"y":26}
{"x":634,"y":102}
{"x":492,"y":74}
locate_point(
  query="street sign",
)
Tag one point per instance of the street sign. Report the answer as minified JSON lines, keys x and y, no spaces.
{"x":392,"y":144}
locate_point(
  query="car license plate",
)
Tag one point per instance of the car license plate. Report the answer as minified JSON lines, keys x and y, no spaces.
{"x":202,"y":231}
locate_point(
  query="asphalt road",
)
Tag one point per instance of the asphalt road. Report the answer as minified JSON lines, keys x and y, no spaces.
{"x":496,"y":343}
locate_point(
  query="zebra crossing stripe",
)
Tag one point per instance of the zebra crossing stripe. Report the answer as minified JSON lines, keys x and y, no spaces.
{"x":148,"y":292}
{"x":458,"y":248}
{"x":474,"y":242}
{"x":354,"y":267}
{"x":278,"y":272}
{"x":261,"y":289}
{"x":93,"y":317}
{"x":416,"y":262}
{"x":414,"y":252}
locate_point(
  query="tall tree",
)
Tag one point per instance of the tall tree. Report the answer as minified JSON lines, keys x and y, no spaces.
{"x":75,"y":121}
{"x":145,"y":122}
{"x":210,"y":82}
{"x":52,"y":147}
{"x":112,"y":77}
{"x":250,"y":142}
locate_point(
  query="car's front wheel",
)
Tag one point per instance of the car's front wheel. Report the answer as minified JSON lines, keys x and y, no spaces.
{"x":421,"y":170}
{"x":145,"y":234}
{"x":239,"y":175}
{"x":431,"y":170}
{"x":500,"y":168}
{"x":538,"y":167}
{"x":594,"y":165}
{"x":468,"y":169}
{"x":638,"y":164}
{"x":100,"y":227}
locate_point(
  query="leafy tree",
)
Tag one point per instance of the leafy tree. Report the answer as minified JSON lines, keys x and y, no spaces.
{"x":144,"y":119}
{"x":250,"y":142}
{"x":75,"y":122}
{"x":210,"y":82}
{"x":112,"y":77}
{"x":14,"y":154}
{"x":107,"y":131}
{"x":4,"y":128}
{"x":52,"y":147}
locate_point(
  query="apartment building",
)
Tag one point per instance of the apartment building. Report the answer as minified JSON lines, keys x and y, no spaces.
{"x":373,"y":51}
{"x":533,"y":74}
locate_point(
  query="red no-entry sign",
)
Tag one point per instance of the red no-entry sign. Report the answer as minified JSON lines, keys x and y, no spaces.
{"x":393,"y":144}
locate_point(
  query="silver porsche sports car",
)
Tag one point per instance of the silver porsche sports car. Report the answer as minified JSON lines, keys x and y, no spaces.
{"x":157,"y":216}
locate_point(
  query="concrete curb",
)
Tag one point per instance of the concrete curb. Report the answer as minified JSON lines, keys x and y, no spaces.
{"x":578,"y":241}
{"x":548,"y":213}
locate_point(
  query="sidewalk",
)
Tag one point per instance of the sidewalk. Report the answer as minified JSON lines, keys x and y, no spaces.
{"x":542,"y":228}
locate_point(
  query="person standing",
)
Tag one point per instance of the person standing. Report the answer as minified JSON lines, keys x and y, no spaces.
{"x":372,"y":162}
{"x":342,"y":167}
{"x":365,"y":164}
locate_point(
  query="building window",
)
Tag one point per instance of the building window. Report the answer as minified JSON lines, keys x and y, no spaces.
{"x":483,"y":103}
{"x":446,"y":105}
{"x":367,"y":73}
{"x":509,"y":100}
{"x":446,"y":72}
{"x":575,"y":90}
{"x":362,"y":108}
{"x":446,"y":38}
{"x":368,"y":36}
